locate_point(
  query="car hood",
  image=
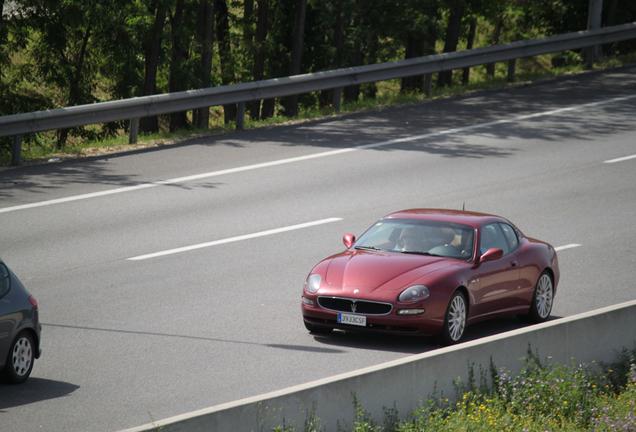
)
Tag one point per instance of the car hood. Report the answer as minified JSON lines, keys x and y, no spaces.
{"x":370,"y":270}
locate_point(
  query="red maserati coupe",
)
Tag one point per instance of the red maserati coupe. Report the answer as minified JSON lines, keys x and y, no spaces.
{"x":432,"y":272}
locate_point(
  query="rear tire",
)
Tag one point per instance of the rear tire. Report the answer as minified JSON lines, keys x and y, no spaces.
{"x":317,"y":329}
{"x":19,"y":362}
{"x":454,"y":320}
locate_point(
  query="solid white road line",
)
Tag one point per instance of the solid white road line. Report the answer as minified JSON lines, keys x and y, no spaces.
{"x":312,"y":156}
{"x":570,"y":246}
{"x":235,"y":239}
{"x":620,"y":159}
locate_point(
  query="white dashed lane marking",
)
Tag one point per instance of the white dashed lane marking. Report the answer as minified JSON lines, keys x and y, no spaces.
{"x":570,"y":246}
{"x":621,"y":159}
{"x":235,"y":239}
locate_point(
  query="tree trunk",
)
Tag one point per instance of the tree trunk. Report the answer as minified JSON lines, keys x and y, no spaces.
{"x":352,"y":93}
{"x":611,"y":13}
{"x":452,"y":38}
{"x":259,"y":53}
{"x":269,"y":105}
{"x":469,"y":45}
{"x":178,"y":120}
{"x":225,"y":54}
{"x":291,"y":102}
{"x":74,"y":84}
{"x":206,"y":35}
{"x":490,"y":67}
{"x":152,"y":52}
{"x":414,"y":48}
{"x":248,"y":10}
{"x":3,"y":36}
{"x":326,"y":96}
{"x":609,"y":21}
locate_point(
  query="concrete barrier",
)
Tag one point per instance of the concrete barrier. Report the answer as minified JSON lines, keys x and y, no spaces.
{"x":592,"y":336}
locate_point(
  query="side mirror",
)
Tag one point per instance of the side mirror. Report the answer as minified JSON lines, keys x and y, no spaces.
{"x":349,"y":240}
{"x":491,"y":255}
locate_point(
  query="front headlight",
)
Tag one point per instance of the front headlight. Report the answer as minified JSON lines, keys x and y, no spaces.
{"x":313,"y":283}
{"x":414,"y":293}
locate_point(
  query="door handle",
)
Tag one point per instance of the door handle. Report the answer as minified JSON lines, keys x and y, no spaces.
{"x":513,"y":263}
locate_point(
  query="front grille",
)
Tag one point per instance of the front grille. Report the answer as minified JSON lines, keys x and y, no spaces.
{"x":362,"y":307}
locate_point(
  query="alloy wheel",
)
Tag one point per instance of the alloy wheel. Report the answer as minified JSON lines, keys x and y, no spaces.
{"x":457,"y":318}
{"x":544,"y":296}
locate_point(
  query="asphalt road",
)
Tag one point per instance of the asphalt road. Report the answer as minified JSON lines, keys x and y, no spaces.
{"x":126,"y":341}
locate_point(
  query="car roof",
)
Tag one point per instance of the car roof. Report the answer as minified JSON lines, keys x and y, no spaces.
{"x":473,"y":219}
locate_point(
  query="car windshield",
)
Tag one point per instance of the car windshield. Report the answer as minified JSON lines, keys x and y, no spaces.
{"x":419,"y":236}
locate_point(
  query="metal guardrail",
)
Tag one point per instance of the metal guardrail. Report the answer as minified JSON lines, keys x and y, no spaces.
{"x":81,"y":115}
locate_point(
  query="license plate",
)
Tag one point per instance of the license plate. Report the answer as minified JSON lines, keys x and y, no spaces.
{"x":352,"y":319}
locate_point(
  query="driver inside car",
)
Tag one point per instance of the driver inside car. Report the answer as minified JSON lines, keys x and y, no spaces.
{"x":411,"y":240}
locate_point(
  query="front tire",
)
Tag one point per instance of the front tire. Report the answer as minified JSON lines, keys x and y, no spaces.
{"x":19,"y":362}
{"x":542,"y":299}
{"x":454,"y":320}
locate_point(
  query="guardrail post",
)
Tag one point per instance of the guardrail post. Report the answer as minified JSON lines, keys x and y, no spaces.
{"x":428,"y":84}
{"x":16,"y":150}
{"x":240,"y":116}
{"x":512,"y":66}
{"x":337,"y":99}
{"x":134,"y":130}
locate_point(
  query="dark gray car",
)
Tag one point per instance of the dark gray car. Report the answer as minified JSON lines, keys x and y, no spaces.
{"x":20,"y":329}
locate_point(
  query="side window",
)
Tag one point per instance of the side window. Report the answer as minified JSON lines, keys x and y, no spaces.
{"x":493,"y":237}
{"x":5,"y":281}
{"x":511,"y":236}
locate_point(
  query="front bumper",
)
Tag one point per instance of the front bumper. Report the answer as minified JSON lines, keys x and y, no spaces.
{"x":390,"y":323}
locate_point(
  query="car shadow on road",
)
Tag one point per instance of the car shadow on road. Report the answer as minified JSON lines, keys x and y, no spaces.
{"x":33,"y":390}
{"x":417,"y":344}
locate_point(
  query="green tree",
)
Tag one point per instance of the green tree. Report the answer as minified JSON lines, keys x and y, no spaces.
{"x":205,"y":41}
{"x":357,"y":41}
{"x":150,"y":22}
{"x":4,"y":32}
{"x":291,"y":105}
{"x":64,"y":49}
{"x":453,"y":29}
{"x":226,"y":59}
{"x":259,"y":52}
{"x":278,"y":47}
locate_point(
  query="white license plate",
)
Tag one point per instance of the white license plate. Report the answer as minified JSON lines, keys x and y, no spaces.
{"x":352,"y":319}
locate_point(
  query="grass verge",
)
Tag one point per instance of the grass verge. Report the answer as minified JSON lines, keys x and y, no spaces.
{"x":542,"y":397}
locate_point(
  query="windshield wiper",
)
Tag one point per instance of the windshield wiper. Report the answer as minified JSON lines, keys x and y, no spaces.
{"x":422,"y":253}
{"x":367,"y":248}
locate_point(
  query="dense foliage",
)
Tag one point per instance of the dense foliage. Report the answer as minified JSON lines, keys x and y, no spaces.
{"x":58,"y":53}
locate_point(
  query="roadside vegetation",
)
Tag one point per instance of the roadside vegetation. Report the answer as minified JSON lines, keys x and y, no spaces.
{"x":542,"y":397}
{"x":62,"y":53}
